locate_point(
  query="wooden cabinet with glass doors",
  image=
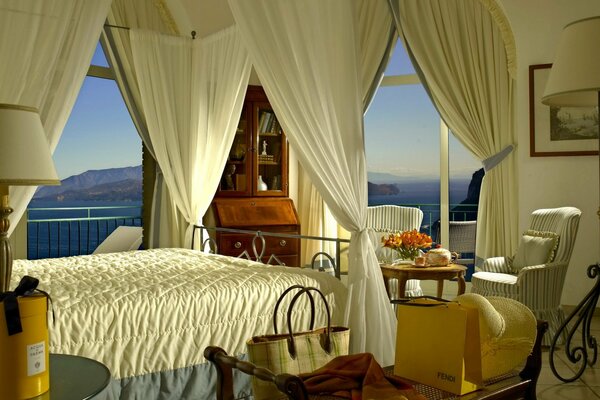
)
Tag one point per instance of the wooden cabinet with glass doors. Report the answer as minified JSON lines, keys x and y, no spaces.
{"x":252,"y":195}
{"x":257,"y":164}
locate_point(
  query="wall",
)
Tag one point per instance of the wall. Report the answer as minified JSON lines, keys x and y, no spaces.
{"x":553,"y":181}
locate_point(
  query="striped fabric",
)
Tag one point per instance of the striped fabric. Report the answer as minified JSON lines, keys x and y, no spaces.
{"x":538,"y":286}
{"x":496,"y":264}
{"x":386,"y":219}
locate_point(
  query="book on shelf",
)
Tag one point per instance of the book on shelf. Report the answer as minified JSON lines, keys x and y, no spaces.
{"x":261,"y":121}
{"x":272,"y":121}
{"x":266,"y":157}
{"x":266,"y":121}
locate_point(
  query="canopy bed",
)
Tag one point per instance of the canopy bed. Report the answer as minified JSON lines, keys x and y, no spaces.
{"x":149,"y":314}
{"x":319,"y":63}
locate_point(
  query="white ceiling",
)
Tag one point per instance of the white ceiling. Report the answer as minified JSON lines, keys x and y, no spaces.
{"x":203,"y":16}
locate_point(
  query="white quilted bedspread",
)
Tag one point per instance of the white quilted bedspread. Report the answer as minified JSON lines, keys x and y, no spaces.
{"x":156,"y":310}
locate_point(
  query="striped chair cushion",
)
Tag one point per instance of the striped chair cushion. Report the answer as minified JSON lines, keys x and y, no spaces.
{"x":495,"y":284}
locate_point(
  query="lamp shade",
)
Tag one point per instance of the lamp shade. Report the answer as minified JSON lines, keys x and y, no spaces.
{"x":25,"y":157}
{"x":574,"y":79}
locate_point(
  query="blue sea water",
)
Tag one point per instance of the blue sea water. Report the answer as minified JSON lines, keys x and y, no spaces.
{"x":425,"y":195}
{"x":50,"y":238}
{"x":82,"y":226}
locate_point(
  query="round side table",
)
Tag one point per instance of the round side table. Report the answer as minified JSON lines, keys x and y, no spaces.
{"x":439,"y":274}
{"x":75,"y":378}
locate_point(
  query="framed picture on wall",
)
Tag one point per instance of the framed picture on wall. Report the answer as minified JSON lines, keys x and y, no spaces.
{"x":558,"y":131}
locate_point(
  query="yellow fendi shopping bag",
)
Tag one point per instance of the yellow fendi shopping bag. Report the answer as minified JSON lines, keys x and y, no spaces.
{"x":437,"y":343}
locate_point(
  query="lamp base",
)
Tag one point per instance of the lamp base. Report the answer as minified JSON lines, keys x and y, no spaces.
{"x":5,"y":249}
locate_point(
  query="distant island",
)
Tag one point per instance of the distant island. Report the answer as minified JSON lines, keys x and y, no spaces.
{"x":113,"y":184}
{"x":382,"y":189}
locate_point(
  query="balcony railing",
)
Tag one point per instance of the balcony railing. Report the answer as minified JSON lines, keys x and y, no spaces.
{"x":70,"y":231}
{"x":431,"y":214}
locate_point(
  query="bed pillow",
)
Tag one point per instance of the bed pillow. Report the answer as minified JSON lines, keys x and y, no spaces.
{"x":535,"y":248}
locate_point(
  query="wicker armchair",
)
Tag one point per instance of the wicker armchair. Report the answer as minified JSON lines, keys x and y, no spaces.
{"x":537,"y":286}
{"x":462,"y":240}
{"x":384,"y":220}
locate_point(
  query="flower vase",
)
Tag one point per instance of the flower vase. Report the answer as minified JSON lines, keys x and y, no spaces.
{"x":407,"y":256}
{"x":261,"y":184}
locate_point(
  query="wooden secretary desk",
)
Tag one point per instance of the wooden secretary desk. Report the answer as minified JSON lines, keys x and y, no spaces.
{"x":275,"y":215}
{"x":253,"y":192}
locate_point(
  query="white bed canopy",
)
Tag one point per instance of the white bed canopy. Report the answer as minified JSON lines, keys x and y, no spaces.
{"x":318,"y":62}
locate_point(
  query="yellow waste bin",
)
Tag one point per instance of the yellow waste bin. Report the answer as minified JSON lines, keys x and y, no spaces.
{"x":24,"y":356}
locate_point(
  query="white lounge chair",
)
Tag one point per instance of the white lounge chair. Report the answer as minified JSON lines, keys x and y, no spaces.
{"x":124,"y":238}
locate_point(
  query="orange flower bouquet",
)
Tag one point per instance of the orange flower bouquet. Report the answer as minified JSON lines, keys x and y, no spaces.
{"x":407,"y":243}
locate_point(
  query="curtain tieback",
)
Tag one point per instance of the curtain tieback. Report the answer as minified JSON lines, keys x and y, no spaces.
{"x":491,"y":162}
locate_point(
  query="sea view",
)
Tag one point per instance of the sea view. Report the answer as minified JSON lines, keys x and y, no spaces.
{"x":58,"y":227}
{"x":426,"y":196}
{"x":64,"y":228}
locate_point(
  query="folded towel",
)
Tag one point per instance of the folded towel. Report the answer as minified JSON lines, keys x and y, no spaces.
{"x":358,"y":377}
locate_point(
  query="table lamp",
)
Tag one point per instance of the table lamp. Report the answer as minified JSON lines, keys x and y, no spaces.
{"x":574,"y":81}
{"x":25,"y":160}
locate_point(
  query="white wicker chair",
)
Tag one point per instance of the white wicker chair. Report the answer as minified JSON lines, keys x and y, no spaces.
{"x":386,"y":219}
{"x":462,"y":240}
{"x":537,"y":286}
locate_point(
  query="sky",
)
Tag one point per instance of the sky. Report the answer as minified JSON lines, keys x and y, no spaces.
{"x":401,"y":130}
{"x":99,"y":133}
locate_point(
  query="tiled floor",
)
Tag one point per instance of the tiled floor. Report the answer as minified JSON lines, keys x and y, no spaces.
{"x":587,"y":387}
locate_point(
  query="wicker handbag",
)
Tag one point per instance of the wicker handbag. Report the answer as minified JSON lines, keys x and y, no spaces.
{"x":296,"y":352}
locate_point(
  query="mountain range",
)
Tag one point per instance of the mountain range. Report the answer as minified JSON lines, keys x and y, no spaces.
{"x":119,"y":184}
{"x":125,"y":184}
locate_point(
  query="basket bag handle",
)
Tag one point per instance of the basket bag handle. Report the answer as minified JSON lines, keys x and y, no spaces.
{"x":325,"y":338}
{"x":312,"y":306}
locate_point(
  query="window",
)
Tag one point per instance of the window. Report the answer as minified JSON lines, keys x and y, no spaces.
{"x":98,"y":159}
{"x":411,"y":158}
{"x":100,"y":133}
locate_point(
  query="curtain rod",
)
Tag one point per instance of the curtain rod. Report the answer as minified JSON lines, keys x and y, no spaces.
{"x":193,"y":33}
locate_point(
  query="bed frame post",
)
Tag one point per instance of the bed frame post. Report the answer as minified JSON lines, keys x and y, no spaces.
{"x":224,"y":373}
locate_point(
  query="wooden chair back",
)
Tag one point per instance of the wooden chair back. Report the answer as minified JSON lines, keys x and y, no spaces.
{"x":291,"y":385}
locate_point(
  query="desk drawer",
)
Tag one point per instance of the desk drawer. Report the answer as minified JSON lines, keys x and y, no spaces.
{"x":234,"y":244}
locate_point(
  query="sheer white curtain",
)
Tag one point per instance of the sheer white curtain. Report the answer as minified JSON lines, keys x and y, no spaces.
{"x":165,"y":221}
{"x":46,"y":48}
{"x":462,"y":48}
{"x":377,"y":36}
{"x":307,"y":56}
{"x":192,"y":93}
{"x":313,"y":215}
{"x":137,"y":14}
